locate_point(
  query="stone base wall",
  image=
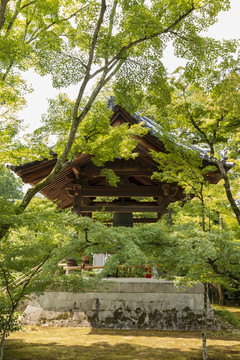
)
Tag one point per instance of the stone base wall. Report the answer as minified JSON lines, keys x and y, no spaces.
{"x":124,"y":304}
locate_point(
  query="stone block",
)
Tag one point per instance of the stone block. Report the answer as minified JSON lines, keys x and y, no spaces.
{"x":128,"y":303}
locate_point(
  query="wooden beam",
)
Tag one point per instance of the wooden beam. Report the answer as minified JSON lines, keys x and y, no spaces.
{"x":145,"y":220}
{"x":139,"y":220}
{"x":121,"y":203}
{"x":139,"y":207}
{"x":120,"y":191}
{"x":76,"y":171}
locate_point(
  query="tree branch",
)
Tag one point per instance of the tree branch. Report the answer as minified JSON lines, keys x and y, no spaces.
{"x":7,"y":284}
{"x":150,"y":37}
{"x":88,"y":69}
{"x":212,"y":142}
{"x":195,"y":125}
{"x":16,"y":12}
{"x":179,"y":35}
{"x":96,"y":33}
{"x":36,"y":269}
{"x":3,"y":7}
{"x":60,"y":165}
{"x":102,"y":82}
{"x":145,"y":38}
{"x":37,"y":33}
{"x":62,"y":161}
{"x":28,"y":4}
{"x":73,"y":58}
{"x":7,"y":70}
{"x":227,"y":187}
{"x":112,"y":15}
{"x":222,"y":273}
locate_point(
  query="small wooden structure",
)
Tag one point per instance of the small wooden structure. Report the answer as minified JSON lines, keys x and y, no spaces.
{"x":81,"y":184}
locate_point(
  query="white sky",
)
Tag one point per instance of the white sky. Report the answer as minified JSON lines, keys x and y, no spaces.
{"x":227,"y":27}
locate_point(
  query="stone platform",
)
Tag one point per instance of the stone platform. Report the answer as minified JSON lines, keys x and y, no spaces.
{"x":124,"y":303}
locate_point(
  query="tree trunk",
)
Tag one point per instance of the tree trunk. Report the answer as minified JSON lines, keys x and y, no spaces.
{"x":3,"y":6}
{"x":170,"y":219}
{"x":5,"y":331}
{"x":230,"y":198}
{"x":228,"y":191}
{"x":204,"y":322}
{"x":203,"y":209}
{"x":203,"y":219}
{"x":220,"y":295}
{"x":1,"y":346}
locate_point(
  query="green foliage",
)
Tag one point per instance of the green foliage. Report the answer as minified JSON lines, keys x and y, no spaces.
{"x":30,"y":253}
{"x":228,"y":317}
{"x":5,"y":310}
{"x":10,"y":186}
{"x":182,"y":250}
{"x":204,"y":112}
{"x":95,"y":134}
{"x":112,"y":178}
{"x":180,"y":164}
{"x":72,"y":43}
{"x":10,"y":193}
{"x":8,"y":130}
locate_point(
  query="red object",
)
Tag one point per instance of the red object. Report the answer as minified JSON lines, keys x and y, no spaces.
{"x":148,"y":273}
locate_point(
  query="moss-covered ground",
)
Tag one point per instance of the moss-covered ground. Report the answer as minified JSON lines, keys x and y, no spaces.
{"x":50,"y":343}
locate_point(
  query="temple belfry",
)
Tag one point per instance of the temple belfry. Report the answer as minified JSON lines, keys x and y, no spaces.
{"x":81,"y":185}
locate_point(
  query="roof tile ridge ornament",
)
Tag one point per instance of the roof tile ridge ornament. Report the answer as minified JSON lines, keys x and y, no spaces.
{"x":111,"y":103}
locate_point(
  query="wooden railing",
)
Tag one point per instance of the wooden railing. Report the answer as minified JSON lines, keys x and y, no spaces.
{"x":91,"y":267}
